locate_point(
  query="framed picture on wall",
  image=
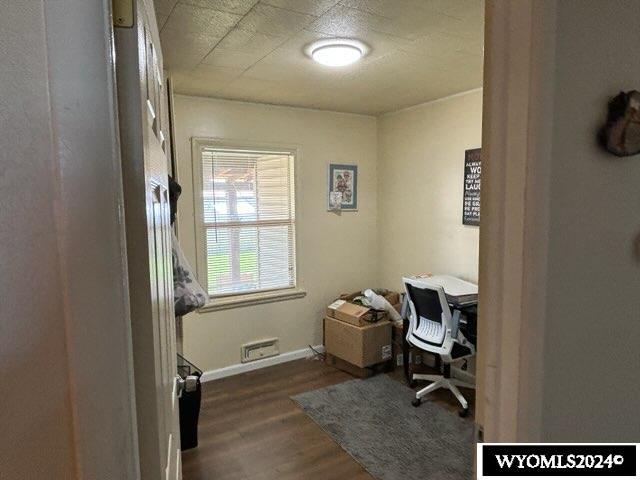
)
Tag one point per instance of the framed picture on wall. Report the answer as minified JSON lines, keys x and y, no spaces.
{"x":343,"y":187}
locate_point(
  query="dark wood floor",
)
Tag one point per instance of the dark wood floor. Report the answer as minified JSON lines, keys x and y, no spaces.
{"x":249,"y":428}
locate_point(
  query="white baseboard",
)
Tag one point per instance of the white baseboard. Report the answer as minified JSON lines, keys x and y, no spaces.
{"x":210,"y":375}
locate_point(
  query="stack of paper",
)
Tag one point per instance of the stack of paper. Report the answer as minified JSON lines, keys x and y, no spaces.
{"x":459,"y":292}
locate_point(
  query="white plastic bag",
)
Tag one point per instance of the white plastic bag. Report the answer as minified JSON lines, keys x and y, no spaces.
{"x":188,"y":294}
{"x":380,"y":303}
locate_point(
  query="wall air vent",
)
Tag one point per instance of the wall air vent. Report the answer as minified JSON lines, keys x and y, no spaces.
{"x":260,"y":349}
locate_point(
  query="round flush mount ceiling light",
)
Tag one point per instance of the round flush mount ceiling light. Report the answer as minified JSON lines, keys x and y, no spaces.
{"x":336,"y":55}
{"x":337,"y":52}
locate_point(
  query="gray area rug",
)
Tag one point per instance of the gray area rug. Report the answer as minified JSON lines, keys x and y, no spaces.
{"x":374,"y":422}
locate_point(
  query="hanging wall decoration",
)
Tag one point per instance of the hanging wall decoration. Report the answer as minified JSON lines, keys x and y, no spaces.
{"x":471,"y":192}
{"x":343,"y":188}
{"x":621,"y":134}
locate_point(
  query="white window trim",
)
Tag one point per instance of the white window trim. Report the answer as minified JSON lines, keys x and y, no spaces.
{"x":235,"y":301}
{"x":252,"y":298}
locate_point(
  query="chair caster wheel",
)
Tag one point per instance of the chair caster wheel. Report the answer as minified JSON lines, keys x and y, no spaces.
{"x":416,"y":402}
{"x":463,"y":412}
{"x":413,"y":384}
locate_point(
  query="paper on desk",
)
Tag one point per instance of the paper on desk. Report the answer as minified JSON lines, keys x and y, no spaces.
{"x":454,"y":286}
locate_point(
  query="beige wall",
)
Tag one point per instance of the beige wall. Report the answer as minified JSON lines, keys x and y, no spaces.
{"x":420,"y":183}
{"x":560,"y":258}
{"x":336,"y":253}
{"x":419,"y":154}
{"x":592,"y":331}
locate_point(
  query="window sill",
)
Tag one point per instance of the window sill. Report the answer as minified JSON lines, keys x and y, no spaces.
{"x":238,"y":301}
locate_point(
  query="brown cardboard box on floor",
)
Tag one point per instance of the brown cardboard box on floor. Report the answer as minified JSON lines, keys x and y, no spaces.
{"x":361,"y":346}
{"x":344,"y":309}
{"x":391,"y":296}
{"x":354,"y":314}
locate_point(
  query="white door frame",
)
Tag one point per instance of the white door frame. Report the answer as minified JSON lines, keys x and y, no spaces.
{"x":519,"y":59}
{"x":90,"y":218}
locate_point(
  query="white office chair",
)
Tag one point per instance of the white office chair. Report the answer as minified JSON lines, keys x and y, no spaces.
{"x":433,"y":328}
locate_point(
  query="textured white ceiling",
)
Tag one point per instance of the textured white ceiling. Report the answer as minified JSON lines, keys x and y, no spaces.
{"x":253,"y":50}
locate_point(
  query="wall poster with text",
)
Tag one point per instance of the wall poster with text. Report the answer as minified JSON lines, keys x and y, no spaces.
{"x":471,"y":192}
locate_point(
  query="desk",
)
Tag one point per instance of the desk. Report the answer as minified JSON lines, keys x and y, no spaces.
{"x":469,"y":312}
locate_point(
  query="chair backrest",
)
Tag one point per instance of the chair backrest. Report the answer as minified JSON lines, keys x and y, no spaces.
{"x":426,"y":301}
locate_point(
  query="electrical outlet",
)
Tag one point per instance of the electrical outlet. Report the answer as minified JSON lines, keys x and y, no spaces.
{"x":418,"y":359}
{"x":399,"y":360}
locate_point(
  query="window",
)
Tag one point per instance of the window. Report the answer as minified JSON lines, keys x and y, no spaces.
{"x":246,"y":211}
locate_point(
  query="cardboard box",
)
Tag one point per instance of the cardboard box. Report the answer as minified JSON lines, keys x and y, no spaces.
{"x":391,"y":296}
{"x":350,"y":296}
{"x":353,"y":314}
{"x":361,"y":346}
{"x":344,"y":309}
{"x":355,"y":371}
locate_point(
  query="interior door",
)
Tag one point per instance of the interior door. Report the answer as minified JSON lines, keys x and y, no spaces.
{"x":141,"y":99}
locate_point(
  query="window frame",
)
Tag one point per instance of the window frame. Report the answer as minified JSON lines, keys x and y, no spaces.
{"x":239,"y":299}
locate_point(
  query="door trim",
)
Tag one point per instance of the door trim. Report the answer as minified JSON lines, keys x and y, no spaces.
{"x":91,"y":237}
{"x":519,"y":61}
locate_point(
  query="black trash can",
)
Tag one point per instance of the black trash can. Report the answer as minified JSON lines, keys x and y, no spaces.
{"x":189,"y":403}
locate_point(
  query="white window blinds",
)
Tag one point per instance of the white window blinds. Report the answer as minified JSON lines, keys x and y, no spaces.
{"x":249,"y":220}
